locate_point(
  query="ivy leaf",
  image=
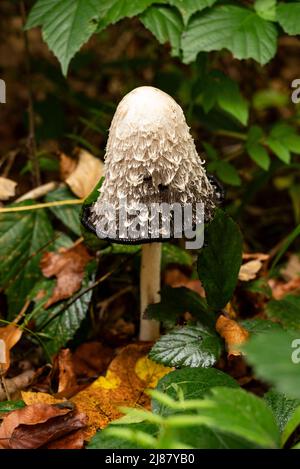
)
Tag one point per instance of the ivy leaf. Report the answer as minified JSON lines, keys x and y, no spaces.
{"x":237,"y":29}
{"x":287,"y":311}
{"x":288,"y":17}
{"x":69,"y":215}
{"x":188,"y":7}
{"x":219,"y":262}
{"x":66,"y":25}
{"x":166,"y":25}
{"x":23,"y":237}
{"x":274,"y":356}
{"x":192,"y":346}
{"x":255,"y":149}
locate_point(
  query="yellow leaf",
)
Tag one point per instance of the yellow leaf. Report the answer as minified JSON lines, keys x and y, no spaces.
{"x":150,"y":372}
{"x":31,"y":398}
{"x":110,"y":381}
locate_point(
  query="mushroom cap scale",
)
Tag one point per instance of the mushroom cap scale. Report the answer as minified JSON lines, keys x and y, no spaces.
{"x":150,"y":158}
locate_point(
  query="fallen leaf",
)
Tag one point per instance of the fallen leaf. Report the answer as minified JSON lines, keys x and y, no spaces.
{"x":292,"y":268}
{"x":91,"y":359}
{"x":85,"y":176}
{"x":249,"y":270}
{"x":233,"y":334}
{"x":36,"y":425}
{"x":31,"y":398}
{"x":74,"y":440}
{"x":15,"y":384}
{"x":280,"y":289}
{"x":174,"y":277}
{"x":260,"y":256}
{"x":7,"y":188}
{"x":9,"y":336}
{"x":66,"y":373}
{"x":67,"y":265}
{"x":67,"y":166}
{"x":128,"y":376}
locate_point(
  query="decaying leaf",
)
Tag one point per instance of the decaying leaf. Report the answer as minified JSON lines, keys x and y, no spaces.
{"x":7,"y":188}
{"x":66,"y":374}
{"x":249,"y":270}
{"x":66,"y":165}
{"x":233,"y":334}
{"x":31,"y":398}
{"x":36,"y":425}
{"x":127,"y":378}
{"x":9,"y":336}
{"x":15,"y":384}
{"x":260,"y":256}
{"x":174,"y":277}
{"x":84,"y":176}
{"x":91,"y":359}
{"x":67,"y":265}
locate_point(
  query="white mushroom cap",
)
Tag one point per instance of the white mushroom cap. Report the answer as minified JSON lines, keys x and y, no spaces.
{"x":151,"y":156}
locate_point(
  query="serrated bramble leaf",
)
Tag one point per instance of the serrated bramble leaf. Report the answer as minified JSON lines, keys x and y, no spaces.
{"x":188,"y":7}
{"x":166,"y":25}
{"x":288,"y":17}
{"x":281,"y":406}
{"x":220,"y":260}
{"x":237,"y":29}
{"x":266,"y":9}
{"x":66,"y":25}
{"x":192,"y":346}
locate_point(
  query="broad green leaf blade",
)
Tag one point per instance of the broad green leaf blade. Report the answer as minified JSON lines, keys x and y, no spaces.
{"x":190,"y":383}
{"x":166,"y":25}
{"x":274,"y":356}
{"x":172,"y":254}
{"x":24,"y":236}
{"x":279,"y":149}
{"x":292,"y":424}
{"x":259,"y":155}
{"x":111,"y":11}
{"x":220,"y":260}
{"x":226,"y":172}
{"x":66,"y":25}
{"x":266,"y":9}
{"x":192,"y":346}
{"x":175,"y":302}
{"x":281,"y":406}
{"x":188,"y":7}
{"x":230,"y":99}
{"x":288,"y":17}
{"x":69,"y":215}
{"x":257,"y":326}
{"x":241,"y":413}
{"x":102,"y":440}
{"x":237,"y":29}
{"x":287,"y":311}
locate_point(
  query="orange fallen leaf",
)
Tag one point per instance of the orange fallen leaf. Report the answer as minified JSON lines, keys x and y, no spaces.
{"x":233,"y":334}
{"x":67,"y":265}
{"x":9,"y":336}
{"x":127,"y":378}
{"x":174,"y":277}
{"x":31,"y":398}
{"x":83,"y":178}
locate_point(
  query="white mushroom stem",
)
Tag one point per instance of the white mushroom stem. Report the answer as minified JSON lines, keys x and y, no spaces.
{"x":150,"y":288}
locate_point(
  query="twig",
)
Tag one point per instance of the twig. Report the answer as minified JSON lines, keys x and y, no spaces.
{"x":55,"y":203}
{"x":31,"y":136}
{"x":39,"y":191}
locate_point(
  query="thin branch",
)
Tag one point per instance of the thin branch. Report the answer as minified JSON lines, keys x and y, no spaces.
{"x":55,"y":203}
{"x":32,"y":150}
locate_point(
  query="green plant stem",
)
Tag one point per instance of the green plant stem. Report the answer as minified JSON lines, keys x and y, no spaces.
{"x":55,"y":203}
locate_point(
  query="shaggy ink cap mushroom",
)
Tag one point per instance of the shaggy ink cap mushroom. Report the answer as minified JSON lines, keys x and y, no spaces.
{"x":151,"y":159}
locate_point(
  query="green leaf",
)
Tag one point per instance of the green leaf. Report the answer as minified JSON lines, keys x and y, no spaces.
{"x":226,"y":172}
{"x":219,"y":262}
{"x":60,"y":326}
{"x":192,"y":346}
{"x":288,"y":17}
{"x":257,"y":326}
{"x":281,"y":406}
{"x":175,"y":302}
{"x":102,"y":440}
{"x":188,"y":7}
{"x":189,"y":383}
{"x":279,"y":149}
{"x":287,"y":135}
{"x":266,"y":9}
{"x":241,"y":413}
{"x":255,"y":149}
{"x":274,"y":356}
{"x":292,"y":425}
{"x":172,"y":254}
{"x":24,"y":236}
{"x":166,"y":25}
{"x":287,"y":311}
{"x":69,"y":215}
{"x":8,"y":406}
{"x":240,"y":30}
{"x":66,"y":25}
{"x":112,"y":11}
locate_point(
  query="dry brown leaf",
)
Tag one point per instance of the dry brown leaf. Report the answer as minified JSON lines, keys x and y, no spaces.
{"x":91,"y":359}
{"x":7,"y":188}
{"x":31,"y":398}
{"x":66,"y":165}
{"x":67,"y":265}
{"x":280,"y":289}
{"x":86,"y":175}
{"x":36,"y":425}
{"x":233,"y":334}
{"x":72,"y":441}
{"x":66,"y":374}
{"x":9,"y":336}
{"x":260,"y":256}
{"x":249,"y":270}
{"x":127,"y":378}
{"x":174,"y":277}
